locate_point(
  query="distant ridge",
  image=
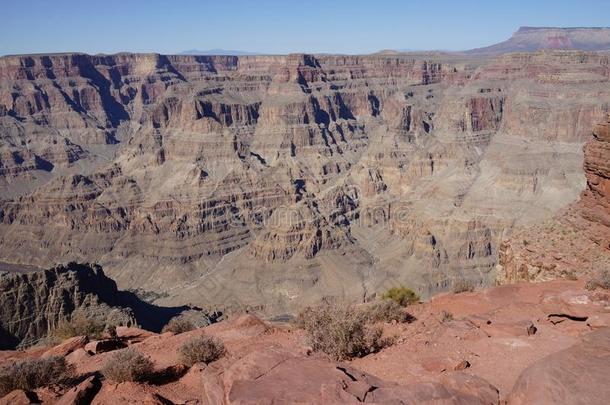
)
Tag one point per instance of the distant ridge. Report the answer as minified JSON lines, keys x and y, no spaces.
{"x":529,"y":39}
{"x":218,"y":52}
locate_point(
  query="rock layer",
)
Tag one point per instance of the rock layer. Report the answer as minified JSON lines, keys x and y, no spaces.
{"x":280,"y":180}
{"x":528,"y":39}
{"x":36,"y":302}
{"x":575,"y":242}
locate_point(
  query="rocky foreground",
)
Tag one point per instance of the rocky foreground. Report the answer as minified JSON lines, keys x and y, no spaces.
{"x":542,"y":343}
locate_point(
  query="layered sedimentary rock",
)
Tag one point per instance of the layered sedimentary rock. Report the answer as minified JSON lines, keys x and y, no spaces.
{"x":528,"y":39}
{"x":280,"y":180}
{"x":576,"y":241}
{"x":36,"y":302}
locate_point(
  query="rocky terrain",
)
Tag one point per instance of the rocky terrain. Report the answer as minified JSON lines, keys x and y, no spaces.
{"x":575,"y":242}
{"x":275,"y":181}
{"x":542,"y":343}
{"x":529,"y":39}
{"x":37,"y":302}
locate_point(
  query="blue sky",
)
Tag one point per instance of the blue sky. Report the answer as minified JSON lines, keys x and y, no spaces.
{"x":41,"y":26}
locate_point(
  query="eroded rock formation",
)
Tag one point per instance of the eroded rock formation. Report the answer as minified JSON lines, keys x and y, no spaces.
{"x":577,"y":240}
{"x":34,"y":303}
{"x":280,"y":180}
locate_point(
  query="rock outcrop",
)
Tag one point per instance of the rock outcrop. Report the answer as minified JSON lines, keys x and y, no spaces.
{"x":468,"y":348}
{"x":528,"y":39}
{"x":575,"y":242}
{"x":279,"y":180}
{"x":36,"y":302}
{"x":577,"y":375}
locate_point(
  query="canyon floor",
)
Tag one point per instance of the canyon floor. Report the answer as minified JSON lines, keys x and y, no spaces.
{"x":524,"y":343}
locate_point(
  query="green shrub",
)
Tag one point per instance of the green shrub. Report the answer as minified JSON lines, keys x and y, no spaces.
{"x":128,"y":365}
{"x":34,"y":373}
{"x":203,"y":349}
{"x":178,"y":325}
{"x":401,"y":295}
{"x":341,"y":331}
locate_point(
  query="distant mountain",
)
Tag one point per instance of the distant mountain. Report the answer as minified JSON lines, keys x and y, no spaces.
{"x":217,"y":52}
{"x":528,"y":39}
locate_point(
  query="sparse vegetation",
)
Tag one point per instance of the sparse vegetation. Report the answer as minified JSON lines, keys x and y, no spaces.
{"x":341,"y":331}
{"x":128,"y":365}
{"x":599,"y":280}
{"x":446,"y":316}
{"x":203,"y":349}
{"x":78,"y":325}
{"x":461,"y":285}
{"x":385,"y":311}
{"x":401,"y":295}
{"x":178,"y":325}
{"x":32,"y":374}
{"x":590,"y":284}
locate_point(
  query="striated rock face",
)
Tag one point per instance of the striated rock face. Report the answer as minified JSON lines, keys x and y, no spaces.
{"x":34,"y":303}
{"x":577,"y":241}
{"x":280,"y":180}
{"x":528,"y":39}
{"x":595,"y":200}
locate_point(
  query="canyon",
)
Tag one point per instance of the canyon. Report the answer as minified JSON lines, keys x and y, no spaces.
{"x":271,"y":182}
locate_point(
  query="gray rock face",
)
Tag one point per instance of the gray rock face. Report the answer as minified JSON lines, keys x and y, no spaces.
{"x":34,"y":303}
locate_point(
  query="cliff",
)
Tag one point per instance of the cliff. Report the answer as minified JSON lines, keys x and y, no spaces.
{"x":33,"y":303}
{"x":575,"y":242}
{"x":280,"y":180}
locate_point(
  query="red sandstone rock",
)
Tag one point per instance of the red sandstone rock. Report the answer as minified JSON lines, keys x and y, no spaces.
{"x":19,"y":397}
{"x":577,"y":375}
{"x":67,"y":347}
{"x":82,"y":394}
{"x":102,"y":346}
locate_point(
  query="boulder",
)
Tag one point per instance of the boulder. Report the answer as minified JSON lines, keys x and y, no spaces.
{"x":19,"y":397}
{"x":577,"y":375}
{"x":102,"y":346}
{"x":82,"y":394}
{"x":67,"y":346}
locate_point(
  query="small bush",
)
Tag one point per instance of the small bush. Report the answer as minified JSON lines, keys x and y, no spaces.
{"x":446,"y":316}
{"x":128,"y":365}
{"x":78,"y":325}
{"x":340,"y":331}
{"x":601,"y":280}
{"x":178,"y":325}
{"x":385,"y":311}
{"x":590,"y":284}
{"x":31,"y":374}
{"x":401,"y":295}
{"x":461,"y":285}
{"x":203,"y":349}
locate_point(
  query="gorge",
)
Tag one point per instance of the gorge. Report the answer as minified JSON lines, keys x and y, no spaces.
{"x":275,"y":181}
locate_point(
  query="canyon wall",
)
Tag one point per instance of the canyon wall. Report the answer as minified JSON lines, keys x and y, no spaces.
{"x":576,"y":241}
{"x":280,"y":180}
{"x":36,"y":302}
